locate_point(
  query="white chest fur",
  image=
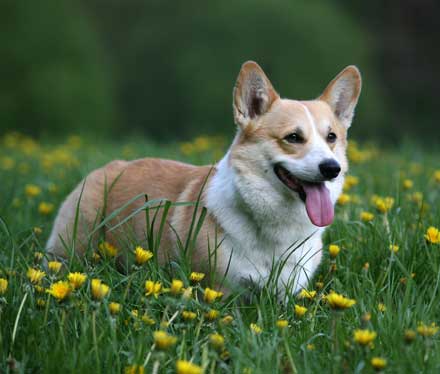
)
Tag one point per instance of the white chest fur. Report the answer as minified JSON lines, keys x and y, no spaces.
{"x":264,"y":229}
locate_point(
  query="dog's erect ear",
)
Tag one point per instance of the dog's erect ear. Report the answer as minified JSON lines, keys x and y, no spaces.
{"x":342,"y":94}
{"x":253,"y":94}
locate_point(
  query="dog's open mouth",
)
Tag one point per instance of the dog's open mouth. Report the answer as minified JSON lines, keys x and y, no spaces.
{"x":316,"y":196}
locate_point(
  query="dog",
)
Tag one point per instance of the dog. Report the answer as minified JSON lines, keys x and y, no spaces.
{"x":268,"y":200}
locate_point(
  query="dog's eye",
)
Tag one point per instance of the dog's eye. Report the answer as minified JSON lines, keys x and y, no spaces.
{"x":294,"y":138}
{"x":331,"y":137}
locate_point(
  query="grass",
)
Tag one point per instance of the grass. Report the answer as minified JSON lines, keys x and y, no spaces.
{"x":396,"y":292}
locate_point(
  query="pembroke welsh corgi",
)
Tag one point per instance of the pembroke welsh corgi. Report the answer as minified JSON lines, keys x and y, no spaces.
{"x":267,"y":201}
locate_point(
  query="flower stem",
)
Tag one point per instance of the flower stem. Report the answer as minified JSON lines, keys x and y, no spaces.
{"x":335,"y":343}
{"x":95,"y":341}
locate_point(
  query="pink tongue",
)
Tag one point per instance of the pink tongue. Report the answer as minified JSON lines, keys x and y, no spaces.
{"x":318,"y":204}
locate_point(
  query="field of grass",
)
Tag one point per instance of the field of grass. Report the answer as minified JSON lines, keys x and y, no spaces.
{"x":382,"y":256}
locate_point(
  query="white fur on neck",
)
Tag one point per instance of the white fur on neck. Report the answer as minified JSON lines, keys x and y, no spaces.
{"x":261,"y":226}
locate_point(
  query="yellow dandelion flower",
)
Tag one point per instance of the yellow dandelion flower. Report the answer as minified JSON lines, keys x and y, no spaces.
{"x":32,"y":190}
{"x":134,"y":369}
{"x":381,"y":307}
{"x":364,"y":337}
{"x":99,"y":289}
{"x":282,"y":324}
{"x":142,"y":255}
{"x":3,"y":286}
{"x":211,"y":295}
{"x":436,"y":176}
{"x":310,"y":347}
{"x":41,"y":303}
{"x":35,"y":275}
{"x":319,"y":285}
{"x":394,"y":248}
{"x":39,"y":289}
{"x":188,"y":315}
{"x":114,"y":308}
{"x":217,"y":340}
{"x":76,"y":279}
{"x":108,"y":249}
{"x":176,"y":287}
{"x":225,"y":355}
{"x":37,"y":230}
{"x":334,"y":250}
{"x":54,"y":266}
{"x":366,"y":216}
{"x":187,"y":293}
{"x":366,"y":317}
{"x":344,"y":199}
{"x":339,"y":302}
{"x":187,"y":148}
{"x":366,"y":266}
{"x":305,"y":294}
{"x":350,"y":181}
{"x":96,"y":257}
{"x":378,"y":363}
{"x":196,"y":277}
{"x":416,"y":197}
{"x":227,"y":320}
{"x":427,"y":330}
{"x":300,"y":310}
{"x":45,"y":208}
{"x":153,"y":288}
{"x":60,"y":290}
{"x":163,"y":340}
{"x":38,"y":256}
{"x":255,"y":328}
{"x":212,"y":314}
{"x":383,"y":204}
{"x":409,"y":336}
{"x":186,"y":367}
{"x":202,"y":143}
{"x":432,"y":235}
{"x":147,"y":319}
{"x":407,"y":184}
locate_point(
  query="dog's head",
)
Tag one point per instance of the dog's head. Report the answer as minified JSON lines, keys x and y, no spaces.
{"x":294,"y":146}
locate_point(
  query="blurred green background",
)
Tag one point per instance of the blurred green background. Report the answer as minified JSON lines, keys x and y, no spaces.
{"x":165,"y":69}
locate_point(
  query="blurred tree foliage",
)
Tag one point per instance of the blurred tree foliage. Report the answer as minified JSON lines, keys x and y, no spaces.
{"x":406,"y":40}
{"x":53,"y":77}
{"x":173,"y":64}
{"x":177,"y":61}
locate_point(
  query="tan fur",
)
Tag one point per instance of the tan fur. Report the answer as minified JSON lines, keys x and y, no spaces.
{"x":264,"y":121}
{"x":159,"y":179}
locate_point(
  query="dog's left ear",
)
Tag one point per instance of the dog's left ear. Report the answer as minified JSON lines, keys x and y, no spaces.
{"x":253,"y":94}
{"x":342,"y":94}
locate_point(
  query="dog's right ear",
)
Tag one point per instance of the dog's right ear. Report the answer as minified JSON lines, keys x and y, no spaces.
{"x":253,"y":94}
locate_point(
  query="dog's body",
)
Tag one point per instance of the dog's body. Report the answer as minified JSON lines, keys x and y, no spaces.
{"x":267,"y":200}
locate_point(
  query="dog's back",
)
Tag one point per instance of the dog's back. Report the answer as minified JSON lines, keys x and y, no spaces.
{"x":110,"y":188}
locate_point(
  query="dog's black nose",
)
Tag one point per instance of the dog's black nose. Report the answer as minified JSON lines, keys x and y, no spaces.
{"x":329,"y":169}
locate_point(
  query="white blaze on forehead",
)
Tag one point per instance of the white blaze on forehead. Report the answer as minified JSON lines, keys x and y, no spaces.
{"x":320,"y":149}
{"x":308,"y":115}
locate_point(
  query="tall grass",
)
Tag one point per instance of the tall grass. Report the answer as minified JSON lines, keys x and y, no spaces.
{"x":396,"y":292}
